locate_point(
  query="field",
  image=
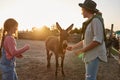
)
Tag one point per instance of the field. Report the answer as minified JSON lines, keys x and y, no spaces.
{"x":33,"y":65}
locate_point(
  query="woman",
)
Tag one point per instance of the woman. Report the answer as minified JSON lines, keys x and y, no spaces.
{"x":9,"y":50}
{"x":93,"y":44}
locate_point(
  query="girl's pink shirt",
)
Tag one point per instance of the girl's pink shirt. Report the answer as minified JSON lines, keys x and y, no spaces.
{"x":10,"y":47}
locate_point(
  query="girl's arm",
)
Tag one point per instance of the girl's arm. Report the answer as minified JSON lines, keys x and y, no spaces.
{"x":10,"y":46}
{"x":19,"y":56}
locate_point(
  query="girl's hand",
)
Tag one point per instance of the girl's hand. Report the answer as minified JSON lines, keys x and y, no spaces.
{"x":19,"y":56}
{"x":27,"y":46}
{"x":70,"y":48}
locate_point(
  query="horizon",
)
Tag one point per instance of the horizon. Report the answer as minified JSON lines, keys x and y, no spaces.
{"x":37,"y":13}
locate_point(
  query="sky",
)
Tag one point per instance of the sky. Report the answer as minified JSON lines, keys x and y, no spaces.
{"x":37,"y":13}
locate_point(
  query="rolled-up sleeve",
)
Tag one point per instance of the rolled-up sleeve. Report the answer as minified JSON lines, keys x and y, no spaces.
{"x":97,"y":30}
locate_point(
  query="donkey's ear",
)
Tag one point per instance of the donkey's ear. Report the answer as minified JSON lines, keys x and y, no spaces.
{"x":58,"y":26}
{"x":69,"y":28}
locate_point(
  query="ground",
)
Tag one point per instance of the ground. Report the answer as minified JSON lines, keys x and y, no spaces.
{"x":33,"y":65}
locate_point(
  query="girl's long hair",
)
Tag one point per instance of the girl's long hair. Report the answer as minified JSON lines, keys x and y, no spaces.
{"x":8,"y":25}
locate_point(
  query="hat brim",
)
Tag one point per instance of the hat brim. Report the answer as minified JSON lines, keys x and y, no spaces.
{"x":83,"y":6}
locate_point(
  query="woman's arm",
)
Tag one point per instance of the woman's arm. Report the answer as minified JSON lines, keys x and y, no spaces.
{"x":79,"y":44}
{"x":97,"y":38}
{"x":91,"y":46}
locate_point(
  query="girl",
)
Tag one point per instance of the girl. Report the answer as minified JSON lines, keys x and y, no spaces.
{"x":9,"y":50}
{"x":93,"y":44}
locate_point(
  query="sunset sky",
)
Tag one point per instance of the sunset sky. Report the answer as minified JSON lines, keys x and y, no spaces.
{"x":37,"y":13}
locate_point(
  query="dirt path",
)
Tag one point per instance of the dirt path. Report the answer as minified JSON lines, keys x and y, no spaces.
{"x":33,"y":65}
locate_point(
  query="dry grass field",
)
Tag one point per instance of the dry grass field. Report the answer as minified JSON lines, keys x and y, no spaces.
{"x":33,"y":65}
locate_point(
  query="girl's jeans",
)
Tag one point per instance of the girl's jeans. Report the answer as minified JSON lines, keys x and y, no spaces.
{"x":8,"y":72}
{"x":7,"y":67}
{"x":92,"y":69}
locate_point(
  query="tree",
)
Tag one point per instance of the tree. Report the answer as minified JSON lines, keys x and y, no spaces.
{"x":76,"y":30}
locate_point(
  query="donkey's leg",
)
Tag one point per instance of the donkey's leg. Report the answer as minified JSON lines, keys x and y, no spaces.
{"x":56,"y":57}
{"x":62,"y":64}
{"x":48,"y":59}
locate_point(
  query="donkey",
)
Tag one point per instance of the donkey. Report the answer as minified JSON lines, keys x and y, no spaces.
{"x":58,"y":47}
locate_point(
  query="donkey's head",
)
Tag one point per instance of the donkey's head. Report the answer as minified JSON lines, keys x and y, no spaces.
{"x":64,"y":34}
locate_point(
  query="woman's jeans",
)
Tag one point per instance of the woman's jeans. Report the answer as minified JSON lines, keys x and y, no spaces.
{"x":92,"y":69}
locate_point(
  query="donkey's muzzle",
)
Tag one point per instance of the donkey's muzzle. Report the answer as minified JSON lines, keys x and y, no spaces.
{"x":65,"y":44}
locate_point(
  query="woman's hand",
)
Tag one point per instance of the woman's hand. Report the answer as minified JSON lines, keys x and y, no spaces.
{"x":70,"y":48}
{"x":78,"y":52}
